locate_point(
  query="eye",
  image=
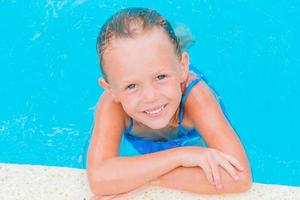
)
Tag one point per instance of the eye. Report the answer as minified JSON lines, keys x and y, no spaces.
{"x":131,"y":86}
{"x":162,"y":76}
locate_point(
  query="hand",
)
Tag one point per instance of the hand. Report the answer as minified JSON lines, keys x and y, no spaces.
{"x":209,"y":160}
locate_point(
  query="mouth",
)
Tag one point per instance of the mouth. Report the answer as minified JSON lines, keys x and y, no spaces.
{"x":155,"y":111}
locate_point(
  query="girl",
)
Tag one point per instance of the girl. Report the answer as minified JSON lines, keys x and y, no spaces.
{"x":168,"y":113}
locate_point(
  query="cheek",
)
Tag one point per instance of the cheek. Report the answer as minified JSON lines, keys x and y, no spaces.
{"x":172,"y":90}
{"x":129,"y":104}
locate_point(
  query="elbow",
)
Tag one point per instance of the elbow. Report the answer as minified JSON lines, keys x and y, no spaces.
{"x":100,"y":188}
{"x":97,"y":185}
{"x":246,"y":183}
{"x":95,"y":189}
{"x":104,"y":187}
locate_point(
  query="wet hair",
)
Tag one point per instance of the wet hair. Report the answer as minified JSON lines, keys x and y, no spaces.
{"x":130,"y":22}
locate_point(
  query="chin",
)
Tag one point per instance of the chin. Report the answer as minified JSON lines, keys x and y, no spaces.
{"x":157,"y":124}
{"x":155,"y":121}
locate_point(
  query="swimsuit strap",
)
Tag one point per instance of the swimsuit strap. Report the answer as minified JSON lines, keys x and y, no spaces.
{"x":127,"y":130}
{"x":183,"y":99}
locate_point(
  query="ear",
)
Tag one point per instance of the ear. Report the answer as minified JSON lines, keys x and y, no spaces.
{"x":184,"y":64}
{"x":107,"y":87}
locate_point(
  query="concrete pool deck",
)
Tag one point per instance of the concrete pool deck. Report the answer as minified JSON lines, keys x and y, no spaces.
{"x":46,"y":182}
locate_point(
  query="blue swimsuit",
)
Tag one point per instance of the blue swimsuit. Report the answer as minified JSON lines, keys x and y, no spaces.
{"x":185,"y":137}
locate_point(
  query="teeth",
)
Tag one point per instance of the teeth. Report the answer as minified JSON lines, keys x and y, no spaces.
{"x":155,"y":111}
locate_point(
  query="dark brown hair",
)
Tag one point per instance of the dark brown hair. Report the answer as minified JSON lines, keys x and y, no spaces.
{"x":128,"y":23}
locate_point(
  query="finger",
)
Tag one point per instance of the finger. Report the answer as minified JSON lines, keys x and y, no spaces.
{"x":229,"y":169}
{"x":215,"y":170}
{"x":207,"y":170}
{"x":233,"y":161}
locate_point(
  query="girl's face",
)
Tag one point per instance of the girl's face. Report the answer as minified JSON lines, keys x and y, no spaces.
{"x":145,"y":76}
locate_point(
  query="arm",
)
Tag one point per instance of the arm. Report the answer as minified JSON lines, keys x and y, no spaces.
{"x":194,"y":180}
{"x":123,"y":174}
{"x":209,"y":119}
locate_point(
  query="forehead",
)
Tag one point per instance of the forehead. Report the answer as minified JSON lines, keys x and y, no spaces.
{"x":149,"y":51}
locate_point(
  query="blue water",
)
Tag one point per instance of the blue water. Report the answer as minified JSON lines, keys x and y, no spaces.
{"x":248,"y":50}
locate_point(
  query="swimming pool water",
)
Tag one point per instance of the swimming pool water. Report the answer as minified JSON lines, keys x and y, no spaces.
{"x":248,"y":50}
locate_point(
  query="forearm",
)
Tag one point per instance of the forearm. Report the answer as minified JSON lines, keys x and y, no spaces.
{"x":193,"y":179}
{"x":123,"y":174}
{"x":126,"y":195}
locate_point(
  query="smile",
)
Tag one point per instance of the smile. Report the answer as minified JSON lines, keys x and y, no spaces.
{"x":156,"y":111}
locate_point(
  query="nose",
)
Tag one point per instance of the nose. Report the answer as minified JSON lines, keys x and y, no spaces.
{"x":150,"y":93}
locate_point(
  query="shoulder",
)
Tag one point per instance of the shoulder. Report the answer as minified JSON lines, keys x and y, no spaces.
{"x":205,"y":113}
{"x":109,"y":122}
{"x":200,"y":93}
{"x":106,"y":105}
{"x":200,"y":101}
{"x":188,"y":106}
